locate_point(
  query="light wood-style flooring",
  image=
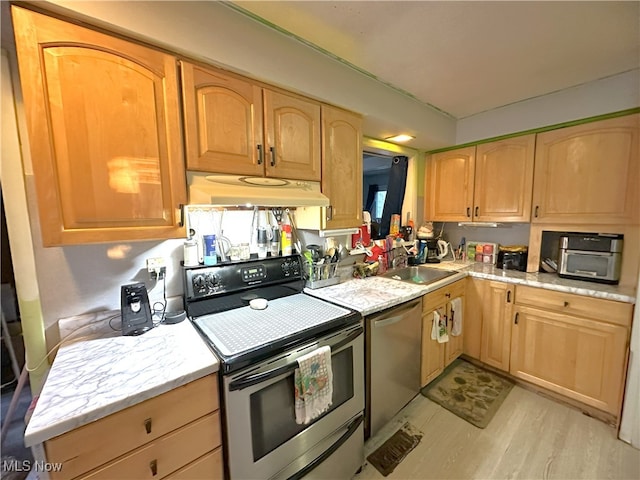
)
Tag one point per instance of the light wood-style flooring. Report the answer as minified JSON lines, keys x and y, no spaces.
{"x":530,"y":437}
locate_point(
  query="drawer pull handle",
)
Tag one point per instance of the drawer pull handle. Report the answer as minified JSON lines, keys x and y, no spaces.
{"x":468,"y":212}
{"x":448,"y":295}
{"x":477,"y":211}
{"x":566,"y":304}
{"x":273,"y":156}
{"x":508,"y":296}
{"x":259,"y":154}
{"x":147,"y":425}
{"x":153,"y":465}
{"x":536,"y":211}
{"x":516,"y":319}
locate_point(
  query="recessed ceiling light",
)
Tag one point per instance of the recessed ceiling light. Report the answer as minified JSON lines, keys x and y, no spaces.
{"x":400,"y":138}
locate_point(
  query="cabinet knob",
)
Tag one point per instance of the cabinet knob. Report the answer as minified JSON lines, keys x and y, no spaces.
{"x":259,"y":154}
{"x":566,"y":304}
{"x":153,"y":465}
{"x":147,"y":425}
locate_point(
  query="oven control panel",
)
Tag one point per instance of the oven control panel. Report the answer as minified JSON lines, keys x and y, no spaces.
{"x":205,"y":283}
{"x":253,"y":273}
{"x":210,"y":281}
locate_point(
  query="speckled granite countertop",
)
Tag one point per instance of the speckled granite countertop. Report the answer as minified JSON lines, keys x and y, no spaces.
{"x":97,"y":371}
{"x":548,"y":281}
{"x":374,"y":294}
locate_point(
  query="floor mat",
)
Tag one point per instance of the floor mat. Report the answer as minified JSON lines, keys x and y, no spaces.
{"x":470,"y":392}
{"x":389,"y":455}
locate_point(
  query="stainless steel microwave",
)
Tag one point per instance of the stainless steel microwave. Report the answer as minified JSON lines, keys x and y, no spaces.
{"x":591,"y":257}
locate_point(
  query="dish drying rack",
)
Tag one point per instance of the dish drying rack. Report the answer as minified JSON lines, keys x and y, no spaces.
{"x":321,"y":274}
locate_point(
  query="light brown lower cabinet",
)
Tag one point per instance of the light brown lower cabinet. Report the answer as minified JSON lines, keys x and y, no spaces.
{"x":174,"y":435}
{"x":487,"y":321}
{"x":436,"y":356}
{"x":497,"y":308}
{"x":573,"y":345}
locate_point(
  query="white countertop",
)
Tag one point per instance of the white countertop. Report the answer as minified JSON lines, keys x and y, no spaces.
{"x":373,"y":294}
{"x":548,"y":281}
{"x":97,"y":371}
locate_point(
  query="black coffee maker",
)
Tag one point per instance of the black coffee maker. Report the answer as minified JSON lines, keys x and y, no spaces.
{"x":427,"y":251}
{"x":432,"y":251}
{"x":135,"y":309}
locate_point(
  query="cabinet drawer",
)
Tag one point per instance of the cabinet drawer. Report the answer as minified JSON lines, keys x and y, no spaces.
{"x":96,"y":443}
{"x":596,"y":308}
{"x":441,"y":296}
{"x":208,"y":466}
{"x":165,"y":455}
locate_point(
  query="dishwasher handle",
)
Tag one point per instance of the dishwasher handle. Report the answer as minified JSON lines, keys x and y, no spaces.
{"x":382,"y":320}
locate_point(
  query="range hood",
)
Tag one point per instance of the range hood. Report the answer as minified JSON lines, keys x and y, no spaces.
{"x":238,"y":190}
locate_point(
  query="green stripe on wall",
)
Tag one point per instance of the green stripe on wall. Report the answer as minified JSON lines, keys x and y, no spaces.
{"x":556,"y":126}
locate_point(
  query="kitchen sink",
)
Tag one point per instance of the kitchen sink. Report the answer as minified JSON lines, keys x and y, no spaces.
{"x":418,"y":274}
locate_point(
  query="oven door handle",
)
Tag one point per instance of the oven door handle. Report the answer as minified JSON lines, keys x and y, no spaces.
{"x":249,"y":380}
{"x":327,"y":453}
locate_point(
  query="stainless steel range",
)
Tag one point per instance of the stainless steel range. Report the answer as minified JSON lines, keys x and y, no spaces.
{"x":258,"y":348}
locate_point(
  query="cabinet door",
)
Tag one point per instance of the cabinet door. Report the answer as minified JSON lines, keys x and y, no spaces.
{"x":588,"y":173}
{"x":474,"y":297}
{"x":449,"y":184}
{"x":504,"y":180}
{"x":455,"y":346}
{"x":222,"y":122}
{"x":292,"y":130}
{"x":497,"y":307}
{"x":579,"y":358}
{"x":432,"y":355}
{"x":104,"y":130}
{"x":342,"y":167}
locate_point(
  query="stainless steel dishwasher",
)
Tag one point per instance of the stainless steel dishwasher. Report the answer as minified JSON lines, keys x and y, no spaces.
{"x":392,"y":349}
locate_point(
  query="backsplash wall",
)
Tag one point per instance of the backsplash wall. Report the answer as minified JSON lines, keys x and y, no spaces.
{"x":508,"y":234}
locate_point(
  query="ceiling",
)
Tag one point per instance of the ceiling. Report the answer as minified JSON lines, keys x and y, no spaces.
{"x":464,"y":58}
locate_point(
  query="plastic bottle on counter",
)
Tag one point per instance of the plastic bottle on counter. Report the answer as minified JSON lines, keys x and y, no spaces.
{"x":285,"y":243}
{"x":190,"y":253}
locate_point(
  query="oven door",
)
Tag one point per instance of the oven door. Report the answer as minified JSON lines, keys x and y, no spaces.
{"x":263,"y":438}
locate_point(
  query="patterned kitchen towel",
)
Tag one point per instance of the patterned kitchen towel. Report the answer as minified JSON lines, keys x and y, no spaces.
{"x":313,"y":381}
{"x":439,"y":328}
{"x":456,"y":316}
{"x":434,"y":325}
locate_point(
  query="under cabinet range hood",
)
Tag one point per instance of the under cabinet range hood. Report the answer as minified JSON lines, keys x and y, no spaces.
{"x":238,"y":190}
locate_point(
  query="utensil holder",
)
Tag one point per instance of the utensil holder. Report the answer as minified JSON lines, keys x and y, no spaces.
{"x":320,"y":275}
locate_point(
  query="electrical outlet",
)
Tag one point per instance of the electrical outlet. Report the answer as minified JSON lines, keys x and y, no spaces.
{"x":156,"y":267}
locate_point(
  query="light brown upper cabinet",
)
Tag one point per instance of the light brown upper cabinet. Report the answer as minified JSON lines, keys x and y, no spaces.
{"x":342,"y":167}
{"x":449,"y":184}
{"x":504,"y":180}
{"x":235,"y":126}
{"x":490,"y":182}
{"x":589,"y":173}
{"x":103,"y":119}
{"x":341,"y":173}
